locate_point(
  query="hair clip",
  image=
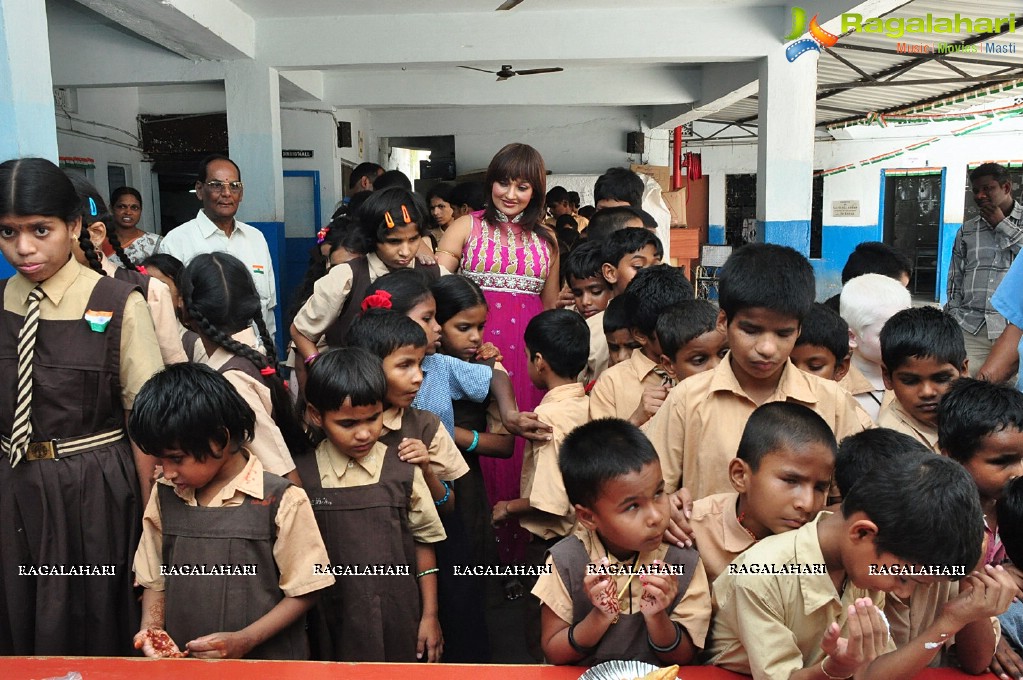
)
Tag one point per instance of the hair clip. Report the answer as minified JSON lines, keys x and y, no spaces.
{"x":388,"y":220}
{"x":93,"y":210}
{"x":321,"y":235}
{"x":268,"y":371}
{"x":404,"y":214}
{"x":378,"y":300}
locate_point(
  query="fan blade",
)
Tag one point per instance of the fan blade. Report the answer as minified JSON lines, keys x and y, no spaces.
{"x":473,"y":68}
{"x":534,"y":71}
{"x":509,"y":4}
{"x":500,"y":78}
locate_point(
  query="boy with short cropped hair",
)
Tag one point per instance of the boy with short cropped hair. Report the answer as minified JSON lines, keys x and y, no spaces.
{"x":765,"y":291}
{"x":895,"y":530}
{"x":627,"y":251}
{"x":690,"y":339}
{"x":617,"y":324}
{"x":615,"y":590}
{"x":592,"y":293}
{"x":867,"y":302}
{"x":823,"y":344}
{"x":606,"y":221}
{"x":980,"y":425}
{"x":781,"y":475}
{"x":871,"y":449}
{"x":922,"y":352}
{"x":619,"y":391}
{"x":359,"y":487}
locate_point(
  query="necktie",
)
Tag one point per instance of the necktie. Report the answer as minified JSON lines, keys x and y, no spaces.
{"x":21,"y":432}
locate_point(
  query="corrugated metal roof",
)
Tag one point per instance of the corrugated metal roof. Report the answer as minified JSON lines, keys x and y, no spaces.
{"x":928,"y":79}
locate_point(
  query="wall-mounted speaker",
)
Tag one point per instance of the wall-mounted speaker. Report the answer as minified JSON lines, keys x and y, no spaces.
{"x":634,"y":142}
{"x":344,"y":134}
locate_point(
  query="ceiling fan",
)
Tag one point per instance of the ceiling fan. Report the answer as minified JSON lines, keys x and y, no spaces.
{"x":507,"y":72}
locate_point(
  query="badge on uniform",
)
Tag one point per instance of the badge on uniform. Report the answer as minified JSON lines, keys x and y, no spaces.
{"x":258,"y":269}
{"x":98,"y":321}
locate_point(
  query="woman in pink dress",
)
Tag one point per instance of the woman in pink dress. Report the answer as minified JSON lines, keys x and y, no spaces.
{"x":507,"y":250}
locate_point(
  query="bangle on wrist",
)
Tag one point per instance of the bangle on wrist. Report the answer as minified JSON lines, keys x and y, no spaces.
{"x":427,"y":572}
{"x":475,"y":441}
{"x":670,"y":648}
{"x":311,"y":358}
{"x":584,"y":651}
{"x":829,"y":676}
{"x":447,"y":494}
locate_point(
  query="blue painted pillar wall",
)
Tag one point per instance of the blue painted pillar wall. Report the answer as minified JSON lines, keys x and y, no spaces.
{"x":27,"y":120}
{"x":787,"y":103}
{"x":254,"y":141}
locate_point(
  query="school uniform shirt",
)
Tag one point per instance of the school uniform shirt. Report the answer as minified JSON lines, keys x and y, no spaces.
{"x":909,"y":618}
{"x":564,"y":408}
{"x":771,"y":625}
{"x":245,"y":242}
{"x":267,"y":441}
{"x":447,"y":378}
{"x":895,"y":417}
{"x":338,"y":471}
{"x":329,"y":294}
{"x":446,"y":460}
{"x":718,"y":535}
{"x":66,"y":296}
{"x":869,"y":397}
{"x":165,"y":321}
{"x":692,"y":612}
{"x":619,"y":389}
{"x":697,"y":430}
{"x":297,"y":549}
{"x":596,"y":363}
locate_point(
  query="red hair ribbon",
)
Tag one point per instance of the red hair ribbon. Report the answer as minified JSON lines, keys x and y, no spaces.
{"x":321,"y":235}
{"x":268,"y":371}
{"x":142,"y":270}
{"x":378,"y":300}
{"x":388,"y":220}
{"x":404,"y":214}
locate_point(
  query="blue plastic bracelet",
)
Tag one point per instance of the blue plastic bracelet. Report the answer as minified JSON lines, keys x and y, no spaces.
{"x":475,"y":442}
{"x":447,"y":494}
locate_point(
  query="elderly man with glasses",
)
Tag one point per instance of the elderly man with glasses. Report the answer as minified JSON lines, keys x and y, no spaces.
{"x":219,"y":188}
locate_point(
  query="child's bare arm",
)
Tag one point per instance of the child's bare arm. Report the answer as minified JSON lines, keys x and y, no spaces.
{"x":658,"y":593}
{"x":526,"y":425}
{"x":487,"y":443}
{"x":431,"y":640}
{"x":151,"y":630}
{"x":235,"y":645}
{"x":414,"y":452}
{"x":587,"y":633}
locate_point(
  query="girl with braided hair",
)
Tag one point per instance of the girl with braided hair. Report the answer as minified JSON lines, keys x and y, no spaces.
{"x":88,"y":251}
{"x":221,"y":305}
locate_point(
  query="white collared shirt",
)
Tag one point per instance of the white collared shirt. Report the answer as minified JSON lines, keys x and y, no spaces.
{"x":245,"y":242}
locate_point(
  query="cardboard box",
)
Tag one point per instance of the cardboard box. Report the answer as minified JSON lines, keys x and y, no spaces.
{"x":660,"y":173}
{"x":676,"y":202}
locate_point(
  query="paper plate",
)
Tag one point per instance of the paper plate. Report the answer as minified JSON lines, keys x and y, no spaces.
{"x":618,"y":670}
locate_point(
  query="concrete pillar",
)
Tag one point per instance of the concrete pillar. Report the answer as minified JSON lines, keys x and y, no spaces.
{"x":787,"y":102}
{"x":254,"y":144}
{"x":26,"y":88}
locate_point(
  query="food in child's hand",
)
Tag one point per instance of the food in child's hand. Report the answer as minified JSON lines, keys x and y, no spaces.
{"x":163,"y":645}
{"x":669,"y":673}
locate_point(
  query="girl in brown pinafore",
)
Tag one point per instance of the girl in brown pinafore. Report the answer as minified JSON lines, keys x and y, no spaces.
{"x":88,"y":250}
{"x":377,"y":519}
{"x":221,"y":304}
{"x":70,"y":501}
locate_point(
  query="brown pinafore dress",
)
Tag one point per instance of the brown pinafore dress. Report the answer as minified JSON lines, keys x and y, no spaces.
{"x":133,"y":277}
{"x":627,"y":639}
{"x":234,"y":536}
{"x":352,"y":307}
{"x":83,"y":510}
{"x":366,"y":617}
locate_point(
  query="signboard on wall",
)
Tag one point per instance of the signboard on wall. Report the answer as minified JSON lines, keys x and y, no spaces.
{"x":296,"y":153}
{"x":845,"y":208}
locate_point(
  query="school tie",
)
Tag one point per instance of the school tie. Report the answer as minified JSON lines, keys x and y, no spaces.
{"x":21,"y":432}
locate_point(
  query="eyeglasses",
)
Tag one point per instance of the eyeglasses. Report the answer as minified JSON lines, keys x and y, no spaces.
{"x":216,"y":186}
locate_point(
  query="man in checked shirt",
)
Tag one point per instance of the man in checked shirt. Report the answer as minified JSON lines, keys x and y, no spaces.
{"x":983,"y":250}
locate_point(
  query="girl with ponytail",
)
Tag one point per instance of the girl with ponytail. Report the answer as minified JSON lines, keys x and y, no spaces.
{"x":221,"y":305}
{"x":88,"y":250}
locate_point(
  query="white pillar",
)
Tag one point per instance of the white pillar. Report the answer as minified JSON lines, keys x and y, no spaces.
{"x":27,"y":117}
{"x":254,"y":138}
{"x":787,"y":103}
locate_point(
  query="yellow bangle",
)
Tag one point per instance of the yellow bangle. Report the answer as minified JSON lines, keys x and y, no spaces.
{"x":448,"y":252}
{"x":829,"y":675}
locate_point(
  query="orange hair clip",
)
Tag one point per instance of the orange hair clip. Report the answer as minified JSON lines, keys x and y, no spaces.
{"x":405,"y":215}
{"x":388,"y":220}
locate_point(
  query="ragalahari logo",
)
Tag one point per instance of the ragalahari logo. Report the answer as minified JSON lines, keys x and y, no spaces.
{"x":818,"y":36}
